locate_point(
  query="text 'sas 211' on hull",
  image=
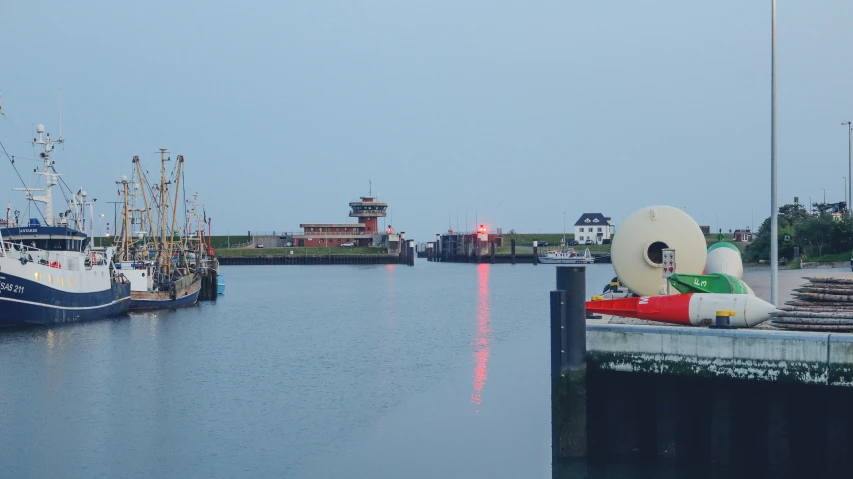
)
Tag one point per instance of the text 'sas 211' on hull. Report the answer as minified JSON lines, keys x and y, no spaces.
{"x":38,"y":304}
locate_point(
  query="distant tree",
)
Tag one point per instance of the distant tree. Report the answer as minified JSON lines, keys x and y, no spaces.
{"x":793,"y":213}
{"x":815,"y":234}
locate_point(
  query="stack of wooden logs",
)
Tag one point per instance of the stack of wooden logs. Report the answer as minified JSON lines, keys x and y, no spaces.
{"x":822,"y":304}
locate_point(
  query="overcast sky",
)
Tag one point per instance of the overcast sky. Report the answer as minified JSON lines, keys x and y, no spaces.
{"x":285,"y":110}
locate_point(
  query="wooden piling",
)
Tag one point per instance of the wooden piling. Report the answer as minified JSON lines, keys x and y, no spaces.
{"x":512,"y":249}
{"x":492,"y":250}
{"x":208,"y":285}
{"x":568,"y":363}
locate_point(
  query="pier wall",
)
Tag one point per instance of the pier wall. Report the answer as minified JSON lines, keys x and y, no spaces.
{"x":405,"y":257}
{"x":802,"y":357}
{"x":695,"y":401}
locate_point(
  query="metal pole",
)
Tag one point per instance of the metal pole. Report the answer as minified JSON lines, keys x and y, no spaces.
{"x":774,"y":214}
{"x":849,"y":185}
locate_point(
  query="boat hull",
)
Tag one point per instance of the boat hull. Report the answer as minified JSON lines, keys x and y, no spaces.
{"x":144,"y":300}
{"x":546,"y":260}
{"x":37,"y":304}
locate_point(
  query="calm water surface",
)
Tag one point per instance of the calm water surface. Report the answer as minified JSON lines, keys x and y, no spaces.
{"x":440,"y":370}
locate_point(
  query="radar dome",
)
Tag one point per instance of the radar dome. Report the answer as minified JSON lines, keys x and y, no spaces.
{"x":39,"y":128}
{"x":637,"y":248}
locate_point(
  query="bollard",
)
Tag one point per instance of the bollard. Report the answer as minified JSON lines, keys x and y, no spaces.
{"x":568,"y":364}
{"x":512,"y":249}
{"x":722,"y":320}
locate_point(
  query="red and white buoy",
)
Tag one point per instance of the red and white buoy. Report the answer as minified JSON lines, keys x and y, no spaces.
{"x":691,"y":309}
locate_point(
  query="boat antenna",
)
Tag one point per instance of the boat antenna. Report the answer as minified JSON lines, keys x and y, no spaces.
{"x":370,"y":191}
{"x":60,"y":119}
{"x":1,"y":103}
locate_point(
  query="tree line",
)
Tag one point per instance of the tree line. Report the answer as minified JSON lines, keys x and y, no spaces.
{"x":816,"y":234}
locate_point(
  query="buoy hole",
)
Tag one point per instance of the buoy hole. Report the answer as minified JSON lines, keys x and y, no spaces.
{"x":655,"y":252}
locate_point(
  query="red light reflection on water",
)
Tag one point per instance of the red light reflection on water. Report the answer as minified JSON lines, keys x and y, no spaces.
{"x":482,"y":343}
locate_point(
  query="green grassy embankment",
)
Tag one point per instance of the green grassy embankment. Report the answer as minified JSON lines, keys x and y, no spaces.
{"x":828,"y":258}
{"x":524,"y":243}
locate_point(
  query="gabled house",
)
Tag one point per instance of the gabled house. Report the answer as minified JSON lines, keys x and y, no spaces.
{"x":743,"y":235}
{"x":594,"y":227}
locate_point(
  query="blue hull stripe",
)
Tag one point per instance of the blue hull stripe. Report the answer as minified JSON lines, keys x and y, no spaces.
{"x":36,"y":303}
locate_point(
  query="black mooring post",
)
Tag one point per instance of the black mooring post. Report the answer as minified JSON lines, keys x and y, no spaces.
{"x":512,"y":248}
{"x":568,"y":363}
{"x":572,"y":280}
{"x":535,"y":253}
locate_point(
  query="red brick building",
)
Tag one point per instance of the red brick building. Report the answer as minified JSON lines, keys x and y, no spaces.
{"x":364,"y":233}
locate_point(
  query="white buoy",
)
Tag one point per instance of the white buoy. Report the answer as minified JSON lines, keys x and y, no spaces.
{"x":724,"y":258}
{"x":637,"y":248}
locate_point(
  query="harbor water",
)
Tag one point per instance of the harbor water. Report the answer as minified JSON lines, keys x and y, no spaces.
{"x":381,"y":371}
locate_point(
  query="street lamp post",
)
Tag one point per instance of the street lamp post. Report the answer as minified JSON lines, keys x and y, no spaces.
{"x":824,"y":197}
{"x":100,"y":224}
{"x":845,"y":191}
{"x":849,"y":160}
{"x":774,"y":212}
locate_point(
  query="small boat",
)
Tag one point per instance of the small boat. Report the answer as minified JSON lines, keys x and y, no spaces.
{"x":220,"y":284}
{"x":566,"y":256}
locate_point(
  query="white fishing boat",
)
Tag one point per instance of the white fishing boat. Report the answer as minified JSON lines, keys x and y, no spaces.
{"x":566,"y":256}
{"x":50,"y":271}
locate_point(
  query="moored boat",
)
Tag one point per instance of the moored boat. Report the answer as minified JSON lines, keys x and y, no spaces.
{"x":162,"y":271}
{"x":566,"y":256}
{"x":49,"y":272}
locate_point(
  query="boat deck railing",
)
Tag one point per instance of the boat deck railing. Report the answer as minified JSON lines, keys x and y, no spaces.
{"x":54,"y":259}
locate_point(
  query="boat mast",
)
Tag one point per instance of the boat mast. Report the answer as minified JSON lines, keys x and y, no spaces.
{"x":163,"y":261}
{"x":50,"y":178}
{"x":175,"y":204}
{"x":144,"y":181}
{"x":125,"y":234}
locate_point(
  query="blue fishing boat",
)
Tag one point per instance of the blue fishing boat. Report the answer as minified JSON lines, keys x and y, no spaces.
{"x":49,"y":271}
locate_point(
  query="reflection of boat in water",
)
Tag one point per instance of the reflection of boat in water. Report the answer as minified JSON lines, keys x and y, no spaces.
{"x":567,"y":256}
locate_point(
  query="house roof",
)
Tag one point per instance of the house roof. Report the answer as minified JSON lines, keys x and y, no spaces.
{"x":332,"y":225}
{"x":587,"y":219}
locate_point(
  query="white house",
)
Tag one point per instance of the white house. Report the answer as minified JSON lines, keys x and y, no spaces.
{"x":593,"y":226}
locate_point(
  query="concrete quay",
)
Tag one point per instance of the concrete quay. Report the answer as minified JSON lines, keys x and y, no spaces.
{"x":798,"y":357}
{"x":708,"y":402}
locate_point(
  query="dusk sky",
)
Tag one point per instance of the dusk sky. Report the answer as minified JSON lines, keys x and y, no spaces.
{"x":284,"y":111}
